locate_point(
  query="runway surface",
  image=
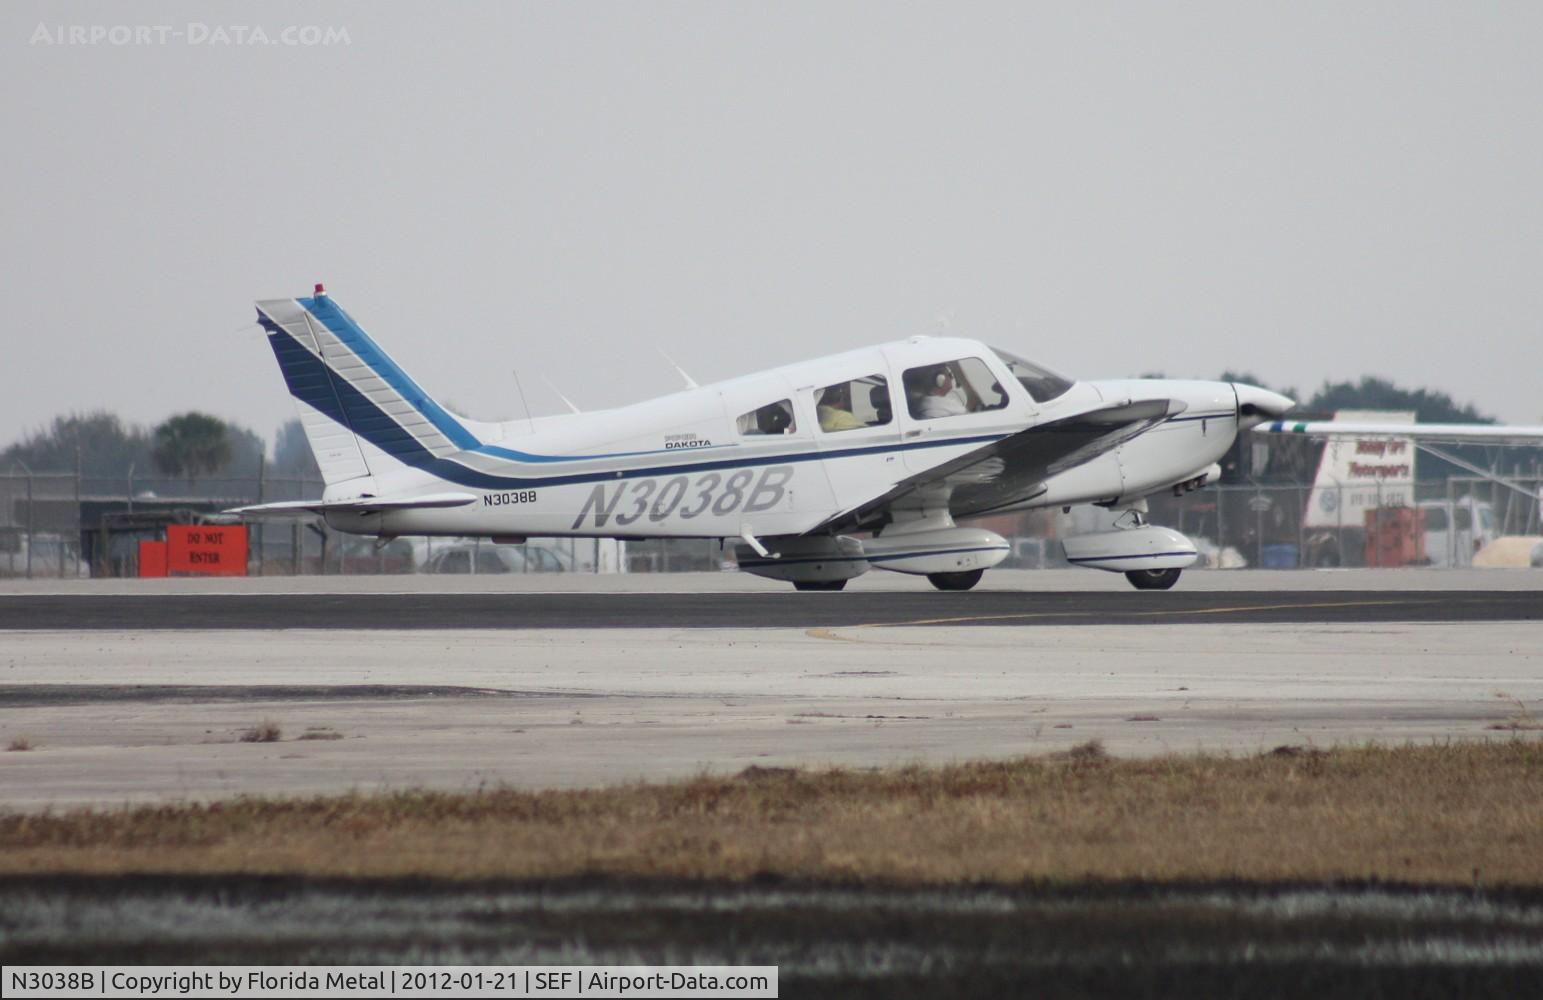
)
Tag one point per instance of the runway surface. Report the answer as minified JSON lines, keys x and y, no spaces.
{"x":132,"y":691}
{"x":145,"y":716}
{"x":778,"y":609}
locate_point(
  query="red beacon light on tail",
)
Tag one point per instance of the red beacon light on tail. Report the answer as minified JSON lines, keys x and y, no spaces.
{"x":321,"y":292}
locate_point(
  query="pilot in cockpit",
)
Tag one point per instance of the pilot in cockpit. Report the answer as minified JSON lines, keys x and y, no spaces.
{"x":941,"y":397}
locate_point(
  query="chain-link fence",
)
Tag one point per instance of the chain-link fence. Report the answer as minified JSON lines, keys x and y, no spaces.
{"x":40,"y":525}
{"x":58,"y":525}
{"x":1439,"y":523}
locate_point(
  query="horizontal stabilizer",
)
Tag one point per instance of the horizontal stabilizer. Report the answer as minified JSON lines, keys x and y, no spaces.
{"x":356,"y":505}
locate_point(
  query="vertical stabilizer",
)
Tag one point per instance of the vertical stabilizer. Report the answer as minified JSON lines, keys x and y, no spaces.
{"x":362,"y":414}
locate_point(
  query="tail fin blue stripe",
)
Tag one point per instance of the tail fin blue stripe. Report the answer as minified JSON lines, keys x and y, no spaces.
{"x":308,"y":379}
{"x":313,"y":383}
{"x":355,"y":339}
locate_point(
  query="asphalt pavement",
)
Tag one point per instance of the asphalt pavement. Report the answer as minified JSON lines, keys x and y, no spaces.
{"x":778,"y":609}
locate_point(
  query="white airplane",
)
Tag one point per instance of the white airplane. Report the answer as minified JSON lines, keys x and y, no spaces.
{"x":822,"y":470}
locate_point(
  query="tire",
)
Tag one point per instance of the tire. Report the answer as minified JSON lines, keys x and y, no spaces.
{"x":819,"y":584}
{"x":1153,"y":579}
{"x":956,"y":581}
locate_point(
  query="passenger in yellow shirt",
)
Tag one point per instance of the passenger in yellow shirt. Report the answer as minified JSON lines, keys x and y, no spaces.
{"x":835,"y":409}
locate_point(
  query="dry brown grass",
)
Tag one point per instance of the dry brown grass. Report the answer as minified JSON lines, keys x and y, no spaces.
{"x":266,"y":731}
{"x":1521,"y":718}
{"x":1439,"y":814}
{"x":20,"y":744}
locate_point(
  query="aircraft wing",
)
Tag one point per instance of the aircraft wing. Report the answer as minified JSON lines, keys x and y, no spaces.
{"x":357,"y":505}
{"x":1013,"y":469}
{"x":1435,"y":433}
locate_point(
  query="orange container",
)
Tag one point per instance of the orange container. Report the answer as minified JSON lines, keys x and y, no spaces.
{"x":1395,"y":536}
{"x":152,"y":559}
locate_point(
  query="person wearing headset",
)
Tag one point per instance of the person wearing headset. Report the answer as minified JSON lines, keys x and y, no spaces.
{"x":941,"y":400}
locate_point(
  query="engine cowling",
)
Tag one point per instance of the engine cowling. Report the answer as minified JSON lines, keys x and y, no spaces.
{"x":1127,"y":549}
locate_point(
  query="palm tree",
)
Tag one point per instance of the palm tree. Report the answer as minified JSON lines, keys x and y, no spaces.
{"x":191,"y":444}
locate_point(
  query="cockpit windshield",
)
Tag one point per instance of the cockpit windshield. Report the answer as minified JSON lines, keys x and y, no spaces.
{"x":1042,"y":384}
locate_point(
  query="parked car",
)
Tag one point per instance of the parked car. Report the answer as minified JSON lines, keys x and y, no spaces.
{"x":1474,"y":524}
{"x":52,"y":554}
{"x":490,"y":558}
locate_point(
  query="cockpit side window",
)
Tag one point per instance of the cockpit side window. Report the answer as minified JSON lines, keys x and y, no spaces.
{"x":773,"y":418}
{"x":1042,"y":384}
{"x":854,"y":404}
{"x":952,"y":389}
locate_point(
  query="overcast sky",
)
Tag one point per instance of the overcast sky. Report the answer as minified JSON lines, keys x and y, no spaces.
{"x":1303,"y":191}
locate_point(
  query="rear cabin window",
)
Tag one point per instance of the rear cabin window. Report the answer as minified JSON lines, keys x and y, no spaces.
{"x":853,"y":404}
{"x":952,"y":389}
{"x":773,"y":418}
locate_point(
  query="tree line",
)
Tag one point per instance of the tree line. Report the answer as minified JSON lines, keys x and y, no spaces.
{"x":187,"y":446}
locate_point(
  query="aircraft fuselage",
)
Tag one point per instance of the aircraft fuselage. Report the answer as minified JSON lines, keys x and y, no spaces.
{"x":678,"y":466}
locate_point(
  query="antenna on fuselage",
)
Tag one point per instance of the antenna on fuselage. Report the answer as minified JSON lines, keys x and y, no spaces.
{"x":566,"y":401}
{"x":690,"y":382}
{"x":529,"y":424}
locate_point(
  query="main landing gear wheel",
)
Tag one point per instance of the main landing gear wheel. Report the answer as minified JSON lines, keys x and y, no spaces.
{"x":1153,"y":579}
{"x":819,"y":584}
{"x":956,"y":581}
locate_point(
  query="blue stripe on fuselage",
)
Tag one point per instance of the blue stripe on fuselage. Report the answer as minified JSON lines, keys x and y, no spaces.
{"x":493,"y":451}
{"x":454,"y":472}
{"x":1131,"y":555}
{"x":881,"y":557}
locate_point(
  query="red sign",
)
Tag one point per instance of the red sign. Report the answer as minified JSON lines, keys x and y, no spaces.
{"x":152,"y":558}
{"x":206,"y":549}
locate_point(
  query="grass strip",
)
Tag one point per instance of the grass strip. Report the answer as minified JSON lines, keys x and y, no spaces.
{"x":1458,"y":814}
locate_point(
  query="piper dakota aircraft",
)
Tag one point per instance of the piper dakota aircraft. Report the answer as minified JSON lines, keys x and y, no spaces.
{"x":817,"y":472}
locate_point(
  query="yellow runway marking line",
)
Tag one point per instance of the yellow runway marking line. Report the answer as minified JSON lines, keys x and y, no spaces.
{"x":825,"y":633}
{"x":1136,"y":614}
{"x":980,"y":618}
{"x":1281,"y":607}
{"x":832,"y":636}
